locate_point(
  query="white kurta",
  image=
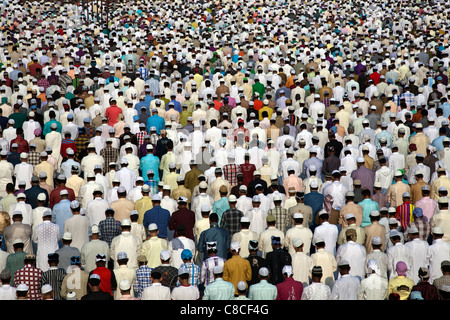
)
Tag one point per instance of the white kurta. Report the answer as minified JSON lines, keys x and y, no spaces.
{"x":46,"y":235}
{"x":79,"y":227}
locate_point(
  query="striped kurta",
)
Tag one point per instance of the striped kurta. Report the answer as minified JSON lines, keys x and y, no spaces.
{"x":54,"y":277}
{"x":405,"y":214}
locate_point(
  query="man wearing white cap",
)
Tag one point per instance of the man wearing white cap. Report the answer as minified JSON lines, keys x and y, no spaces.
{"x":438,"y":252}
{"x":46,"y":235}
{"x":347,"y":285}
{"x":353,"y":253}
{"x":86,"y":192}
{"x":419,"y":252}
{"x":126,"y":176}
{"x":23,"y":207}
{"x":54,"y":139}
{"x":66,"y":251}
{"x":397,"y":189}
{"x":23,"y":171}
{"x":78,"y":225}
{"x":298,"y":230}
{"x":374,"y":286}
{"x":124,"y":273}
{"x":17,"y":230}
{"x":6,"y":172}
{"x":262,"y":290}
{"x":126,"y":242}
{"x":90,"y":160}
{"x":326,"y":260}
{"x":257,"y":216}
{"x":202,"y":199}
{"x":45,"y":166}
{"x":396,"y":253}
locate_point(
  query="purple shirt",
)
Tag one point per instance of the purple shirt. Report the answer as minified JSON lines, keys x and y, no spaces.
{"x":366,"y":176}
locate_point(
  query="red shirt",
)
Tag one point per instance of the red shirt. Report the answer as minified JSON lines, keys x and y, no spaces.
{"x":56,"y":198}
{"x":107,"y":280}
{"x":22,"y":143}
{"x":289,"y":289}
{"x":247,"y":170}
{"x":112,"y":113}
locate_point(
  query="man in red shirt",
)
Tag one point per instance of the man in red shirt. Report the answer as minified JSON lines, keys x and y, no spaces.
{"x":55,"y":196}
{"x":289,"y":289}
{"x":112,"y":113}
{"x":108,"y":282}
{"x":247,"y":169}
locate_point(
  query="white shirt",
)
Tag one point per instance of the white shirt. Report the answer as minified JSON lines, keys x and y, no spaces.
{"x":374,"y":287}
{"x":396,"y":253}
{"x":156,"y":291}
{"x":257,"y":220}
{"x":419,"y":251}
{"x":79,"y":227}
{"x":329,"y":233}
{"x":46,"y":235}
{"x":316,"y":291}
{"x":23,"y":171}
{"x":346,"y":288}
{"x":302,"y":265}
{"x":437,"y":252}
{"x":355,"y":254}
{"x":25,"y":208}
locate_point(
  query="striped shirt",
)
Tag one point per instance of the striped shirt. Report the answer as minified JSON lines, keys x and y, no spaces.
{"x":207,"y":270}
{"x":54,"y":277}
{"x":194,"y":273}
{"x":405,"y":214}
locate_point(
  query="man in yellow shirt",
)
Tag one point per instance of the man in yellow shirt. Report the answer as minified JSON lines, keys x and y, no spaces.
{"x":236,"y":268}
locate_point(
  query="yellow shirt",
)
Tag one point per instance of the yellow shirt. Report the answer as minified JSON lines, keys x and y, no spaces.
{"x":237,"y":269}
{"x":141,"y":206}
{"x":401,"y":285}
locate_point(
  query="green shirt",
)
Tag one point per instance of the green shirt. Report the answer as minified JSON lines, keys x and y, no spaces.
{"x":14,"y":262}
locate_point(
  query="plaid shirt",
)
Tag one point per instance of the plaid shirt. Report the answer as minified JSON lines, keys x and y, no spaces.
{"x":80,"y":143}
{"x":153,"y":184}
{"x":143,"y":274}
{"x":169,"y":276}
{"x":34,"y":158}
{"x":281,"y":218}
{"x":230,"y":172}
{"x":31,"y":276}
{"x":423,"y":227}
{"x":108,"y":229}
{"x":194,"y":273}
{"x":90,"y":131}
{"x":110,"y":154}
{"x":231,"y":220}
{"x":140,"y":137}
{"x":143,"y":72}
{"x":410,"y":99}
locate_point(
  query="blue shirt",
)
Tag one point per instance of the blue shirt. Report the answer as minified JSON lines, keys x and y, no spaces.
{"x":368,"y":206}
{"x":160,"y":216}
{"x":220,"y":206}
{"x":156,"y":121}
{"x":219,"y":289}
{"x":150,"y":161}
{"x":61,"y":212}
{"x":217,"y":234}
{"x":438,"y":143}
{"x":177,"y":105}
{"x":262,"y":291}
{"x":314,"y":199}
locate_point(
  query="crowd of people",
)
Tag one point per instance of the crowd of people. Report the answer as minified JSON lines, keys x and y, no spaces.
{"x":225,"y":150}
